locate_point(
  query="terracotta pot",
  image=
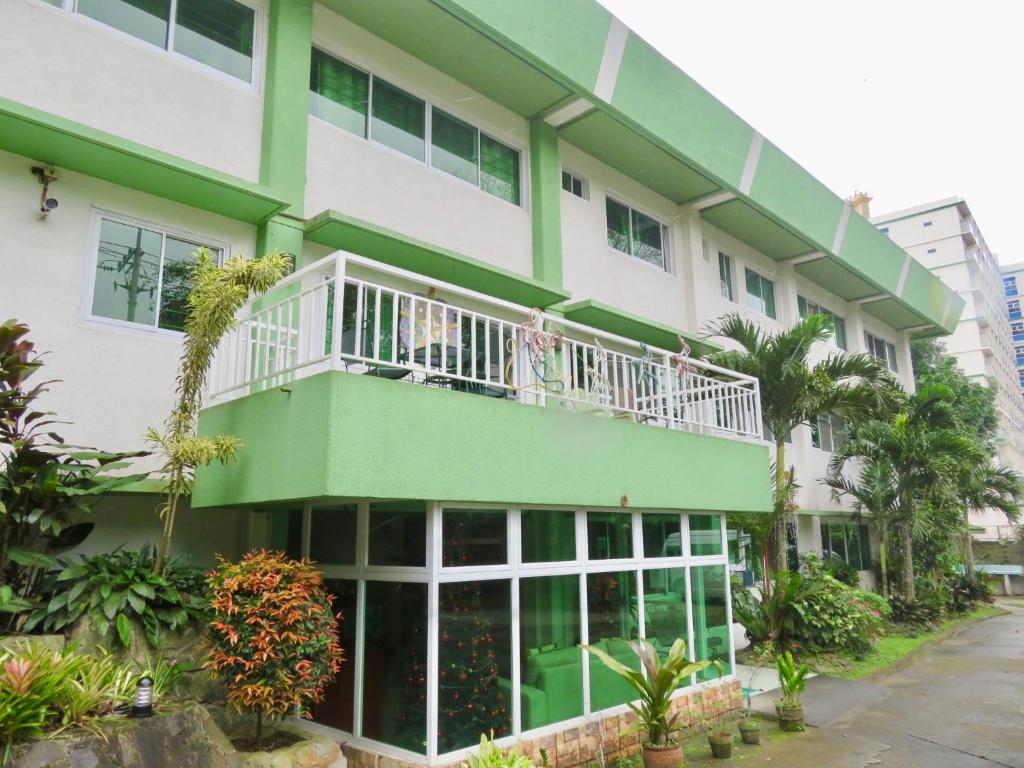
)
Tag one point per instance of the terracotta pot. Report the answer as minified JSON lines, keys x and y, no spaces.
{"x":791,"y":719}
{"x":750,"y":731}
{"x":721,"y":745}
{"x":666,"y":756}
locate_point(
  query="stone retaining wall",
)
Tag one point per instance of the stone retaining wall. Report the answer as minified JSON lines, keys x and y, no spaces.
{"x":606,"y":738}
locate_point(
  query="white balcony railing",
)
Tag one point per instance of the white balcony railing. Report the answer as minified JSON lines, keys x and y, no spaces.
{"x":397,"y":325}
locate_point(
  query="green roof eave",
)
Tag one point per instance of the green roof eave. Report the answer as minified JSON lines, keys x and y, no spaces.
{"x":337,"y":230}
{"x":612,"y":320}
{"x":676,"y":115}
{"x":69,"y":145}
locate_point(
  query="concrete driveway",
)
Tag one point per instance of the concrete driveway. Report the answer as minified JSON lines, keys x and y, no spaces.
{"x":959,"y":705}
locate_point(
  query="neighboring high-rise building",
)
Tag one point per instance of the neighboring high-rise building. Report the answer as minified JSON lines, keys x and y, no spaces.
{"x":945,"y":238}
{"x":408,"y":419}
{"x":1013,"y":290}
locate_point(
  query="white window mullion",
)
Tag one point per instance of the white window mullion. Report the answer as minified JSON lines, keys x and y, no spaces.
{"x":360,"y":657}
{"x":433,"y":620}
{"x":369,"y":106}
{"x":728,"y":596}
{"x":159,"y":279}
{"x":173,"y":11}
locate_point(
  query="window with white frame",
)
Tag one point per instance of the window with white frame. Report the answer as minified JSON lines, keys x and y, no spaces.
{"x":636,"y":233}
{"x":449,"y":577}
{"x":575,"y":185}
{"x":142,"y":273}
{"x":882,"y":349}
{"x":807,"y":308}
{"x":848,"y":543}
{"x":725,"y":276}
{"x":760,"y":293}
{"x":828,"y":432}
{"x":374,"y":109}
{"x":1013,"y":307}
{"x":1010,"y":285}
{"x":220,"y":34}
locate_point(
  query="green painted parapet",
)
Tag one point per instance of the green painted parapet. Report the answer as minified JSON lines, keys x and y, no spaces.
{"x":340,"y":434}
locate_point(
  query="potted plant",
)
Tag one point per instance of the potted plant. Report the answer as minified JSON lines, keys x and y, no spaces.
{"x":721,"y":743}
{"x":792,"y":679}
{"x":660,"y":749}
{"x":750,"y":726}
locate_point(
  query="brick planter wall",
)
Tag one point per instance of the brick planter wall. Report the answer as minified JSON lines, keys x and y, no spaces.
{"x":581,"y":745}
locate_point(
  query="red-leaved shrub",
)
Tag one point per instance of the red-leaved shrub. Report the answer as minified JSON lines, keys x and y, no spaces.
{"x":275,"y":636}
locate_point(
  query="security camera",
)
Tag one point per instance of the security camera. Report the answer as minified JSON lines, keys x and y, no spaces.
{"x":49,"y":204}
{"x":45,"y":174}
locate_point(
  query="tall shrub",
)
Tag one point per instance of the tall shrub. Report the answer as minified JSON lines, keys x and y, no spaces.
{"x":218,"y":292}
{"x":275,"y":637}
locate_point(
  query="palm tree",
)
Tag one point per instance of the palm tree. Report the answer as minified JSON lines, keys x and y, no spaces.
{"x":795,"y":391}
{"x":218,"y":292}
{"x":984,"y":485}
{"x":910,"y":469}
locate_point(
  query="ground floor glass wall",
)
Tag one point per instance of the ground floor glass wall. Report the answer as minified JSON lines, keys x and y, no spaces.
{"x":459,"y":620}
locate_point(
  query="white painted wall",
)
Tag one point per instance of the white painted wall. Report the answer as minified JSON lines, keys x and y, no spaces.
{"x":368,"y":181}
{"x":80,"y":69}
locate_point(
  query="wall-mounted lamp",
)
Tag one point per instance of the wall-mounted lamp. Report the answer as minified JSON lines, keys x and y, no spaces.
{"x":45,"y":174}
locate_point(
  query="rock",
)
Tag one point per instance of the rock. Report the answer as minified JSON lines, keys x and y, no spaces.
{"x":184,"y":736}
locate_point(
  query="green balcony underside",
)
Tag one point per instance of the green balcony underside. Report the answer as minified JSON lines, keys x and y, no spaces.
{"x":54,"y":140}
{"x":336,"y":230}
{"x":607,"y":318}
{"x":340,"y":434}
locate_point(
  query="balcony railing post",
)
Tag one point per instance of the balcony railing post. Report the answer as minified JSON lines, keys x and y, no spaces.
{"x":338,"y":315}
{"x":669,"y":391}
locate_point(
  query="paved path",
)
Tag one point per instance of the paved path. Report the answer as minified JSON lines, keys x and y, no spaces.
{"x":959,"y":705}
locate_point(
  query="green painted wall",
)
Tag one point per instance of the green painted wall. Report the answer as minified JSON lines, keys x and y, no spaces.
{"x":546,"y":203}
{"x":340,"y":434}
{"x":281,"y":233}
{"x":286,"y":99}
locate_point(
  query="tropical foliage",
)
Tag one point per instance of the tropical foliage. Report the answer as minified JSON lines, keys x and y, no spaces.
{"x":118,"y":589}
{"x":218,"y":292}
{"x":654,"y":684}
{"x":45,"y":691}
{"x":795,"y":390}
{"x":46,"y":486}
{"x":792,"y":679}
{"x":275,"y":637}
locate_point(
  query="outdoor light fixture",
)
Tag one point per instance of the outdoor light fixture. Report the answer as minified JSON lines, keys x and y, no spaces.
{"x":45,"y":174}
{"x":143,"y":706}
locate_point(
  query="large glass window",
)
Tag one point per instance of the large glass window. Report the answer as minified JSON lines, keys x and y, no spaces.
{"x":760,"y":293}
{"x":332,"y":538}
{"x":474,"y":662}
{"x":336,"y":708}
{"x":611,"y":618}
{"x":551,"y":662}
{"x":548,"y":535}
{"x":474,"y":537}
{"x":338,"y":93}
{"x":395,"y":665}
{"x":708,"y":606}
{"x":635,"y":233}
{"x":609,"y":535}
{"x":806,"y":307}
{"x":705,"y":534}
{"x":398,"y":534}
{"x":662,"y":536}
{"x":881,"y":349}
{"x":454,"y":146}
{"x":217,"y":33}
{"x":398,"y":120}
{"x":665,"y":607}
{"x":847,"y":542}
{"x":499,"y":169}
{"x":143,"y":275}
{"x":284,"y":532}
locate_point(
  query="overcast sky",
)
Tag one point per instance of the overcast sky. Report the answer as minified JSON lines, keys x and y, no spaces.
{"x":909,"y":100}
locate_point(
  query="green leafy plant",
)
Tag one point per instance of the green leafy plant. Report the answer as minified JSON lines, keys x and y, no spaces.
{"x":792,"y":679}
{"x":654,"y":684}
{"x":115,"y":589}
{"x":46,"y":487}
{"x":493,"y":756}
{"x":165,"y":673}
{"x":275,"y":639}
{"x":218,"y":292}
{"x":774,"y":615}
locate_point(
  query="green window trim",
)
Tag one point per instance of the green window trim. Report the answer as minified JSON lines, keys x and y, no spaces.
{"x":760,"y":293}
{"x":217,"y":34}
{"x":364,"y":104}
{"x":141,"y":272}
{"x":636,"y":234}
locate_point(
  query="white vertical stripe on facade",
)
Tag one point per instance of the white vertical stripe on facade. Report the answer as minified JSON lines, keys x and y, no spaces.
{"x":844,"y":219}
{"x":903,"y":275}
{"x":608,"y":73}
{"x":750,"y":167}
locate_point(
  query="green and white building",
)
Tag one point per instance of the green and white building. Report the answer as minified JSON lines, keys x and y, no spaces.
{"x":483,"y":495}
